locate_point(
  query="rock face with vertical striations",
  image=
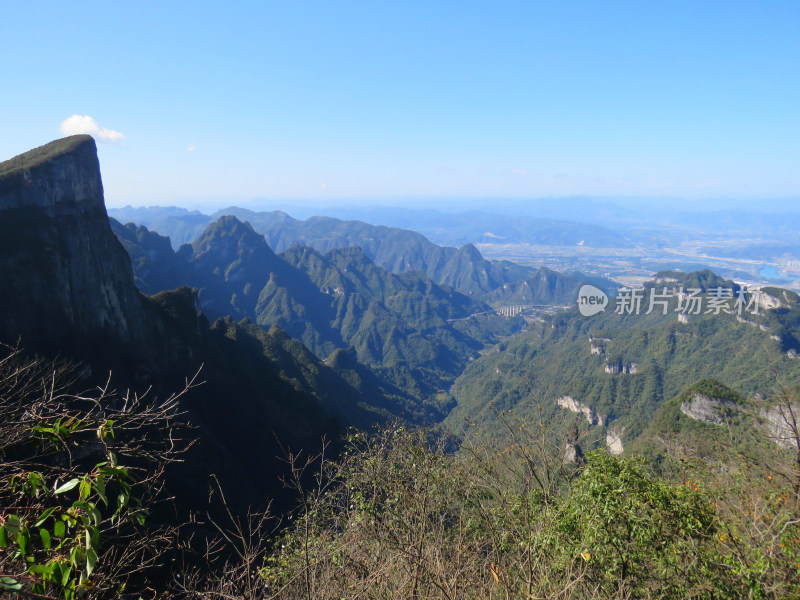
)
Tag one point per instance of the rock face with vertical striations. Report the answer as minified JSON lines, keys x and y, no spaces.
{"x":56,"y":294}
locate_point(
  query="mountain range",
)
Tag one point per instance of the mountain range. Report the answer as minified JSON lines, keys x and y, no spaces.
{"x":70,"y":292}
{"x":303,"y":342}
{"x":408,"y":330}
{"x":611,"y":372}
{"x":395,"y":249}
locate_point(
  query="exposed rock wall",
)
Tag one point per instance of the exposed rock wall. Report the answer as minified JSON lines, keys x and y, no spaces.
{"x":707,"y":409}
{"x":614,"y":440}
{"x":577,"y":406}
{"x":781,"y":423}
{"x":53,"y":226}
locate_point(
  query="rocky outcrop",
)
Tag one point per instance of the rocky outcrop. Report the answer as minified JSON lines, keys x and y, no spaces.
{"x":708,"y":409}
{"x":780,"y":423}
{"x":614,"y":440}
{"x":572,"y":453}
{"x":53,"y":229}
{"x":769,"y":302}
{"x":761,"y":326}
{"x":618,"y":367}
{"x":577,"y":406}
{"x":776,"y":421}
{"x":614,"y":368}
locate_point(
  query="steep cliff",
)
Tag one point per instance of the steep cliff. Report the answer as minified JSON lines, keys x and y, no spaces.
{"x":67,"y":281}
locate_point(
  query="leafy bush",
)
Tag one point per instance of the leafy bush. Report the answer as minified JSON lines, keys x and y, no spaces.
{"x":78,"y":473}
{"x":398,"y":517}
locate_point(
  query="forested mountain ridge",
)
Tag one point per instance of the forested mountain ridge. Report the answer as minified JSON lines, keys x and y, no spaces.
{"x":611,"y":372}
{"x":396,"y":250}
{"x":544,"y":287}
{"x":693,"y":423}
{"x":398,"y":324}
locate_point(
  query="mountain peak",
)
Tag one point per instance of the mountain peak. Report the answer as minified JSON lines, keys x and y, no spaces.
{"x":62,"y":268}
{"x":36,"y":157}
{"x":57,"y":177}
{"x":237,"y":234}
{"x":470,"y":251}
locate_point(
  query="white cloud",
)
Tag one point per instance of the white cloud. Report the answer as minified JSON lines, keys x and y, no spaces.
{"x":85,"y":124}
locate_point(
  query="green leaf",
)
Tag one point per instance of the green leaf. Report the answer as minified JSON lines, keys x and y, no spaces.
{"x":74,"y":556}
{"x":57,"y":572}
{"x":67,"y":486}
{"x":45,"y":515}
{"x":85,"y":489}
{"x":43,"y":570}
{"x":66,"y":571}
{"x":59,"y":529}
{"x":91,"y":561}
{"x":3,"y":537}
{"x":96,"y":516}
{"x":45,"y":535}
{"x":10,"y":585}
{"x":24,"y":540}
{"x":100,"y":488}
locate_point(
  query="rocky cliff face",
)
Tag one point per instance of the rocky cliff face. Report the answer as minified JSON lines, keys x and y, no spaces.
{"x":53,"y":226}
{"x":708,"y":409}
{"x":614,"y":440}
{"x":577,"y":406}
{"x":780,"y":423}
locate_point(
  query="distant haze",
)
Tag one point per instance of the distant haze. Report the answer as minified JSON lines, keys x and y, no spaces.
{"x":201,"y":104}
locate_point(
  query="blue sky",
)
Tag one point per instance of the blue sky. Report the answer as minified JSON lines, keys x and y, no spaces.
{"x":406,"y":101}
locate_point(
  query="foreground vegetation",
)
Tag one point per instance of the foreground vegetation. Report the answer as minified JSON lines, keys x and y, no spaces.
{"x":400,"y":518}
{"x":396,"y":514}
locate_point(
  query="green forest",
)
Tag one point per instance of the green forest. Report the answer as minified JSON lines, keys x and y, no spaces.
{"x":394,"y":512}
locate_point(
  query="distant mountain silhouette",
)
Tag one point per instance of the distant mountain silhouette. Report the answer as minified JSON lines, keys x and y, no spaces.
{"x":395,"y":249}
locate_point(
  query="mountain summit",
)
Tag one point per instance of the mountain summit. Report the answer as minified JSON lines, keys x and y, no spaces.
{"x":67,"y":281}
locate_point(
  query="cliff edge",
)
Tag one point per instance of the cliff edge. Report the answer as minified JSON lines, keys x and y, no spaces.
{"x":53,"y":229}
